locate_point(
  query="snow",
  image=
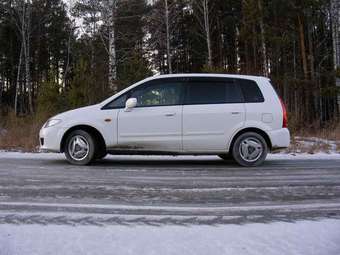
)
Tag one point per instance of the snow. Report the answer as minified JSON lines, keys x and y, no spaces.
{"x":304,"y":237}
{"x":275,"y":156}
{"x":304,"y":156}
{"x":192,"y":209}
{"x":320,"y":237}
{"x":313,"y":145}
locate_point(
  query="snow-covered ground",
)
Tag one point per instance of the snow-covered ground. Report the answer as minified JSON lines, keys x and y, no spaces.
{"x":313,"y":145}
{"x":38,"y":189}
{"x":304,"y":237}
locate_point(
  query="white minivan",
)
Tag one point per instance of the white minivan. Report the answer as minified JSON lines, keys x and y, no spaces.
{"x":232,"y":116}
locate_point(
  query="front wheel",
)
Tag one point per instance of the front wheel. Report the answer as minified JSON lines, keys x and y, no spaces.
{"x":79,"y":148}
{"x":250,"y":149}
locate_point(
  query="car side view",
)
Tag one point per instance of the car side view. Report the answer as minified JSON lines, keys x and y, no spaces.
{"x":232,"y":116}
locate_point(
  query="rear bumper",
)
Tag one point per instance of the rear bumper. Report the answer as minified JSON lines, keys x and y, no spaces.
{"x":279,"y":138}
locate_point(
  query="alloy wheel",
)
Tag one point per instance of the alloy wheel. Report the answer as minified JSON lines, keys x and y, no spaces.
{"x":78,"y":147}
{"x":251,"y":149}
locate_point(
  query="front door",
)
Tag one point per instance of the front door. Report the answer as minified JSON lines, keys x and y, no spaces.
{"x":155,"y":124}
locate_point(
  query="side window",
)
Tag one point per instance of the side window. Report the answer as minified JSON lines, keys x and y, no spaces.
{"x":251,"y":91}
{"x":154,"y":93}
{"x":234,"y":94}
{"x":118,"y":103}
{"x":159,"y":93}
{"x":213,"y":92}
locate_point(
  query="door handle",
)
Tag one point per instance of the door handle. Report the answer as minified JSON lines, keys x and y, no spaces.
{"x":236,"y":113}
{"x":170,"y":114}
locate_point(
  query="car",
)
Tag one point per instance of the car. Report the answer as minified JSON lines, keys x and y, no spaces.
{"x":233,"y":116}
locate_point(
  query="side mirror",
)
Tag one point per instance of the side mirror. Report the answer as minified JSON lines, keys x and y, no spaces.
{"x":130,"y":104}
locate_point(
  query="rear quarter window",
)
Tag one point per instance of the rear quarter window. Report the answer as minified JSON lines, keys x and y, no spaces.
{"x":251,"y":91}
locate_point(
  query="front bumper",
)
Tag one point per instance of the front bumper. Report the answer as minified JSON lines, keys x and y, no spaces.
{"x":50,"y":138}
{"x":279,"y":138}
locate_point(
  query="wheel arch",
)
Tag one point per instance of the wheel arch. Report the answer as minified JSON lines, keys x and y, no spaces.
{"x":91,"y":130}
{"x":250,"y":129}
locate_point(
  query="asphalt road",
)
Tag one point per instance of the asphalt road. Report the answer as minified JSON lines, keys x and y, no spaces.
{"x":160,"y":191}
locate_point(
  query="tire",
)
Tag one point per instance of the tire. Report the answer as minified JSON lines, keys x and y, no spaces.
{"x":250,"y":149}
{"x":80,"y":148}
{"x":227,"y":156}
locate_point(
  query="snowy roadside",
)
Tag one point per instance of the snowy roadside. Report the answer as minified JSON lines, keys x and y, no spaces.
{"x":313,"y":145}
{"x":304,"y":237}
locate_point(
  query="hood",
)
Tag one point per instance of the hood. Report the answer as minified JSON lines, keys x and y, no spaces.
{"x":79,"y":112}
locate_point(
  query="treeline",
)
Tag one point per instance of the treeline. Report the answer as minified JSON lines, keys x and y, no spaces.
{"x":56,"y":55}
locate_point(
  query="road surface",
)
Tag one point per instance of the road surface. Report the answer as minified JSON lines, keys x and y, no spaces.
{"x":44,"y":189}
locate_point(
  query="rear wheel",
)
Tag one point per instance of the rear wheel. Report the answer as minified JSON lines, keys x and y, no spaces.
{"x":80,"y":147}
{"x":250,"y":149}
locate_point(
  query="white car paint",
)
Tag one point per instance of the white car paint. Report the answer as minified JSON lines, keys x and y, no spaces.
{"x":85,"y":116}
{"x":150,"y":128}
{"x":183,"y":129}
{"x":206,"y":128}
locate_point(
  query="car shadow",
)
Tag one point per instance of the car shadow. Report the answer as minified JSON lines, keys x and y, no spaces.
{"x":164,"y":162}
{"x":178,"y":162}
{"x":150,"y":163}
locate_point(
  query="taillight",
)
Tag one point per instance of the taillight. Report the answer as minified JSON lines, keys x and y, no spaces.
{"x":285,"y":117}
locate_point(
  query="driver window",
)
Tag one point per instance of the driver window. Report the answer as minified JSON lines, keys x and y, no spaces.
{"x":160,"y":93}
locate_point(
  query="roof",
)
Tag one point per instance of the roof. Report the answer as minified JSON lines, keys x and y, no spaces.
{"x":251,"y":77}
{"x":163,"y":76}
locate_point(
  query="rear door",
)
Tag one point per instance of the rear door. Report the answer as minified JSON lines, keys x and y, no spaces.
{"x":213,"y":110}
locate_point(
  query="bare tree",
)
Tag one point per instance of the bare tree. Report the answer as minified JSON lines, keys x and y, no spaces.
{"x":204,"y":9}
{"x":335,"y":21}
{"x":26,"y":34}
{"x":18,"y":82}
{"x":102,"y":12}
{"x":163,"y":22}
{"x":167,"y":25}
{"x":109,"y":11}
{"x":263,"y":41}
{"x":67,"y":68}
{"x":22,"y":19}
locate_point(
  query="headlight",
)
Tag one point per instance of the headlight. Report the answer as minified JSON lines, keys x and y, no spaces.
{"x":52,"y":122}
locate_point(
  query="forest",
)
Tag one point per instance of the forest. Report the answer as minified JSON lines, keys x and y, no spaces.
{"x":57,"y":55}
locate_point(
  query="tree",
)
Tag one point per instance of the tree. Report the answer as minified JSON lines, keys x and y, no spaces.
{"x":167,"y":25}
{"x":102,"y":46}
{"x":204,"y":9}
{"x":21,"y":14}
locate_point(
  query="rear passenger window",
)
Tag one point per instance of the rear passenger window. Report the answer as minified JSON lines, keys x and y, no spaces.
{"x":251,"y":91}
{"x":213,"y":92}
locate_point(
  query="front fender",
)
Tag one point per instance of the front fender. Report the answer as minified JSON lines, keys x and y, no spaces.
{"x":102,"y":128}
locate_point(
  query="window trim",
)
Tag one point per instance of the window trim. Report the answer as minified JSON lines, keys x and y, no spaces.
{"x":185,"y":88}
